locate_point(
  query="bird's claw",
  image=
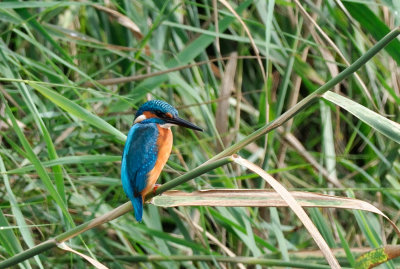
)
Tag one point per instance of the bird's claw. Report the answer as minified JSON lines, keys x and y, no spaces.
{"x":155,"y":188}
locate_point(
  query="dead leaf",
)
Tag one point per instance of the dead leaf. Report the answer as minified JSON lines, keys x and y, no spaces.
{"x":121,"y":19}
{"x":222,"y":115}
{"x":295,"y":206}
{"x":377,"y":256}
{"x":246,"y":29}
{"x":125,"y":21}
{"x":89,"y":259}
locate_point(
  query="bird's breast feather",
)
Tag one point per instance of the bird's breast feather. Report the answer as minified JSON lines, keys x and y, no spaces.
{"x":139,"y":157}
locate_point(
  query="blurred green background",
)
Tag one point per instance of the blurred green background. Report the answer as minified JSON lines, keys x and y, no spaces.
{"x":60,"y":158}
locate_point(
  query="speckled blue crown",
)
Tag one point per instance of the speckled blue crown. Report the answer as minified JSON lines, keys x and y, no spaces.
{"x":157,"y":105}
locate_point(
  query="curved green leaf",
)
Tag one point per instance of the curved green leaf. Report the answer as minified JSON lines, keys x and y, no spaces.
{"x":69,"y":160}
{"x":383,"y":125}
{"x":77,"y":110}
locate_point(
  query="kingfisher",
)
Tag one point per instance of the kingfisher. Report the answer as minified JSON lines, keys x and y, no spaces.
{"x":147,"y":149}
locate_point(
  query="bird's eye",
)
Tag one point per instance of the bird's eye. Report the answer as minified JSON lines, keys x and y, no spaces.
{"x":159,"y":114}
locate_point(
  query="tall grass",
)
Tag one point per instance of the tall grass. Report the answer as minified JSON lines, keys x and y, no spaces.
{"x":72,"y":75}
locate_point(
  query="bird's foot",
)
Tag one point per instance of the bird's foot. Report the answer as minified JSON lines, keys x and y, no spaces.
{"x":155,"y":188}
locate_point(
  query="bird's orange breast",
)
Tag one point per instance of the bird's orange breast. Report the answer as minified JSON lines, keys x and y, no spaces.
{"x":164,"y":143}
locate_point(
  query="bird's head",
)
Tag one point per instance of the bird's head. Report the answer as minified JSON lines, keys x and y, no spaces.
{"x":157,"y":111}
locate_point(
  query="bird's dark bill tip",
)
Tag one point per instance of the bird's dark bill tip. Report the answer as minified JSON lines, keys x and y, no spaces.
{"x":184,"y":123}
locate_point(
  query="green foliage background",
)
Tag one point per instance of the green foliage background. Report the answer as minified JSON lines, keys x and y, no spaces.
{"x":59,"y":159}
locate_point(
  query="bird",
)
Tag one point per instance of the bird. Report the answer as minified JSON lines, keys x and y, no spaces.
{"x":147,"y":149}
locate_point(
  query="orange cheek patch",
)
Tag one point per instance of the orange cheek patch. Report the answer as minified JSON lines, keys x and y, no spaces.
{"x":169,"y":115}
{"x":149,"y":115}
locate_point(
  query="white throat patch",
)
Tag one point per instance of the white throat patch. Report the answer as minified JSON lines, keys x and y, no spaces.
{"x":167,"y":125}
{"x":140,"y":118}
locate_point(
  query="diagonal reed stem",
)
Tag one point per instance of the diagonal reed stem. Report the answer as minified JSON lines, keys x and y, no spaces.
{"x":312,"y":97}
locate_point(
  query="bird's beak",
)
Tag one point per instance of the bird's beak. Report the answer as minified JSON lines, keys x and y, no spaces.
{"x":183,"y":123}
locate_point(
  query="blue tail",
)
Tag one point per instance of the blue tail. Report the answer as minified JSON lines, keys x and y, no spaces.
{"x":137,"y":203}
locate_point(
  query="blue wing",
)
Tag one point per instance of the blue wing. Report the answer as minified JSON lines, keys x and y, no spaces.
{"x":138,"y":159}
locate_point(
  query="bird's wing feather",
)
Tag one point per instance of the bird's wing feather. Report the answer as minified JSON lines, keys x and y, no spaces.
{"x":140,"y":154}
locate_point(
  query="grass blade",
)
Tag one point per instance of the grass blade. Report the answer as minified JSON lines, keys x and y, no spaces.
{"x":298,"y":210}
{"x":95,"y":263}
{"x":51,"y":243}
{"x":312,"y":97}
{"x":19,"y":218}
{"x":373,"y":25}
{"x":377,"y":256}
{"x":39,"y":167}
{"x":69,"y":160}
{"x":383,"y":125}
{"x":78,"y":111}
